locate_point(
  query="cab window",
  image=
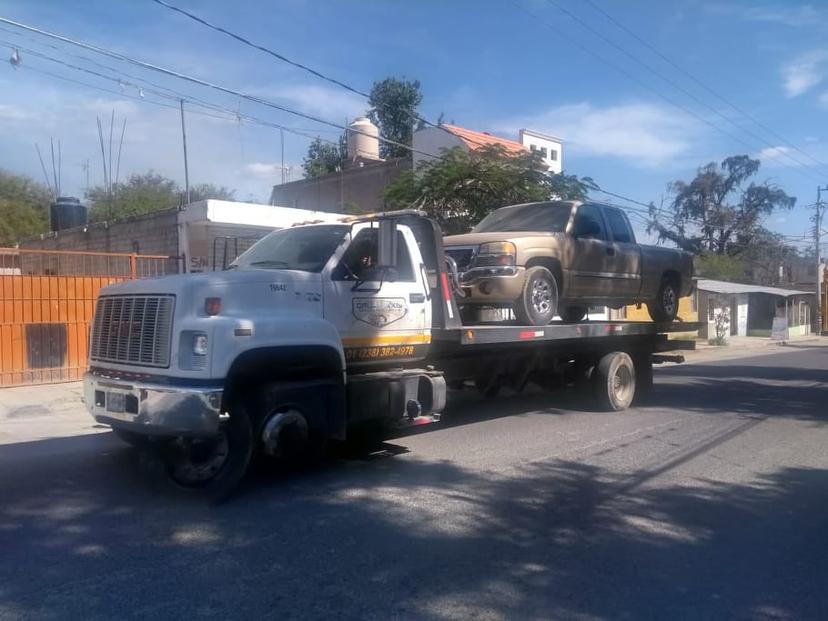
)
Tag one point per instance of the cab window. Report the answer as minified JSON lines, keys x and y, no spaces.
{"x":619,"y":226}
{"x":589,"y":224}
{"x":360,"y":259}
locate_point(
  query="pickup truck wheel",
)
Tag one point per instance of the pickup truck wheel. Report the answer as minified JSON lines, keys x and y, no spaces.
{"x":573,"y":314}
{"x":538,"y":302}
{"x":614,"y":381}
{"x":212,"y":466}
{"x":665,"y":308}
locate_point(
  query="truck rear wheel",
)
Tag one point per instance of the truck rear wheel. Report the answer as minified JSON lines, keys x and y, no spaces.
{"x":614,"y":381}
{"x":538,"y":301}
{"x":665,"y":307}
{"x":212,"y":466}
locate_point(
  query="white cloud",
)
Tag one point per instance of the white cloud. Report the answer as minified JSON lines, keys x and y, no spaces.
{"x":772,"y":153}
{"x":263,"y":169}
{"x":805,"y":72}
{"x":15,"y":113}
{"x":333,"y":104}
{"x":816,"y":138}
{"x":787,"y":15}
{"x":643,"y":134}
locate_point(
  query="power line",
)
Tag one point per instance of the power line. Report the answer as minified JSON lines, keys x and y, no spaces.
{"x":200,"y":82}
{"x":632,"y":77}
{"x":584,"y":24}
{"x":261,"y":48}
{"x":696,"y":80}
{"x":413,"y":115}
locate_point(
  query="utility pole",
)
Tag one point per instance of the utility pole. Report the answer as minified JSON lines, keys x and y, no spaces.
{"x":184,"y":142}
{"x":282,"y":140}
{"x":817,"y":232}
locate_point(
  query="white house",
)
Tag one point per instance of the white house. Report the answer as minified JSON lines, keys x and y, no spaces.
{"x":429,"y":142}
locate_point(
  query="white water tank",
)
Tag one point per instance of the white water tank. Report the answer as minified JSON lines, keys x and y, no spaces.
{"x":363,"y":139}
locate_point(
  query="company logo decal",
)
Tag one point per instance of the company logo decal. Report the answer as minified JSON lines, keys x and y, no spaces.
{"x":379,"y":312}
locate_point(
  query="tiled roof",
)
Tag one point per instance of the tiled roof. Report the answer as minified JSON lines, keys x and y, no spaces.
{"x":475,"y":140}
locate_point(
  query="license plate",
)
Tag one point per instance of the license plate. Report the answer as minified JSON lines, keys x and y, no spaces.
{"x":115,"y":401}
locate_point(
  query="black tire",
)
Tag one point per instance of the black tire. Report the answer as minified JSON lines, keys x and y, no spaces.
{"x":212,"y":467}
{"x":538,"y":302}
{"x":302,"y":446}
{"x":573,"y":314}
{"x":488,"y":387}
{"x":614,"y":382}
{"x":665,"y":308}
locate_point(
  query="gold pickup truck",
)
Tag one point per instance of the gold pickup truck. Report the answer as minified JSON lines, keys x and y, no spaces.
{"x":557,"y":258}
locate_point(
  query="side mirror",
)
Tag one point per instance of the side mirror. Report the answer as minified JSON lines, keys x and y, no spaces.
{"x":387,"y":244}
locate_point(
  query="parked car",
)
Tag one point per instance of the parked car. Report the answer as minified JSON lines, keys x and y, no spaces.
{"x":560,"y":257}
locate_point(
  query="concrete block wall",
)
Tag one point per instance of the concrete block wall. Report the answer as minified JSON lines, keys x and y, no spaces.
{"x":155,"y":233}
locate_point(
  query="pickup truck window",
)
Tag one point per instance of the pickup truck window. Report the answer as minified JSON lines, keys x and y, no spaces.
{"x":305,"y":248}
{"x":547,"y":217}
{"x":589,"y":224}
{"x":361,"y":256}
{"x":620,"y":226}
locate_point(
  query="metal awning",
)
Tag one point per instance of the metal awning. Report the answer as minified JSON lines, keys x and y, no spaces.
{"x":721,"y":286}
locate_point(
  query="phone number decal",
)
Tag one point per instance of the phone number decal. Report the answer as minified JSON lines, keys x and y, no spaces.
{"x":380,"y":352}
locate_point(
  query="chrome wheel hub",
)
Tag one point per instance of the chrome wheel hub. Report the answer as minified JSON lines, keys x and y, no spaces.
{"x":541,"y":296}
{"x":622,"y":383}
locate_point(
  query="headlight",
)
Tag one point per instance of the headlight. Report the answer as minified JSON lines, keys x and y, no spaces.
{"x":493,"y":254}
{"x":200,"y":344}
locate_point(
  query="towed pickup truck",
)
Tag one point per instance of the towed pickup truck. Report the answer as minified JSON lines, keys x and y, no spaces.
{"x":559,"y":257}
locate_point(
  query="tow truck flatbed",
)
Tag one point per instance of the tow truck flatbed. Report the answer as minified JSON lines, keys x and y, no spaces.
{"x":501,"y":333}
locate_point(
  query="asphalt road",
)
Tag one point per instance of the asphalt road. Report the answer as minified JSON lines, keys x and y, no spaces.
{"x":708,"y":501}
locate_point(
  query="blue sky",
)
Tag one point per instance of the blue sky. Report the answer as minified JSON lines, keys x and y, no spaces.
{"x":494,"y":66}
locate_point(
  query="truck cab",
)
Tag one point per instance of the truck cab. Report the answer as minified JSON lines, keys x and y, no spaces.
{"x":300,"y":333}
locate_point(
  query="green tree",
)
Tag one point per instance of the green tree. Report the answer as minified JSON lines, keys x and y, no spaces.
{"x":146,"y":193}
{"x":138,"y":195}
{"x":462,"y":187}
{"x":393,"y":109}
{"x":324,"y":157}
{"x":203,"y":191}
{"x":719,"y":267}
{"x":24,"y":207}
{"x":716,"y":212}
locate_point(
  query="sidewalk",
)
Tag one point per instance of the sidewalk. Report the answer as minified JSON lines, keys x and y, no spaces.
{"x":29,"y":413}
{"x":746,"y":346}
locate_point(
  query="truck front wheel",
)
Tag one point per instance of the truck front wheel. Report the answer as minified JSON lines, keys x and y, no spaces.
{"x":212,"y":466}
{"x":538,"y":301}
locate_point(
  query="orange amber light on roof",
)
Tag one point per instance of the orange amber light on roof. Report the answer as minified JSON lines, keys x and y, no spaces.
{"x":212,"y":306}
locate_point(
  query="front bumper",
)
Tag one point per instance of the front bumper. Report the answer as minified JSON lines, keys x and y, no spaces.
{"x":492,"y":285}
{"x":152,"y":409}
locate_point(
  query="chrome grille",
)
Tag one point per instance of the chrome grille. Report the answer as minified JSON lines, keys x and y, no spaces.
{"x":132,"y":329}
{"x":462,"y":255}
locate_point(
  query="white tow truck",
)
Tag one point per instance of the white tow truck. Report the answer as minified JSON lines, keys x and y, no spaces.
{"x":320,"y":328}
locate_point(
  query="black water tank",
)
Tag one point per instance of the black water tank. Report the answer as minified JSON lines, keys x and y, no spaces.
{"x":66,"y":213}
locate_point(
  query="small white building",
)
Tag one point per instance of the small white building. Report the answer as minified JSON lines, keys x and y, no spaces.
{"x":549,"y":147}
{"x":429,"y":143}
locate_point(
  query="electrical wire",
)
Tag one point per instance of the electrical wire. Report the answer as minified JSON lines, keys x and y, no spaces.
{"x":632,"y":77}
{"x":700,"y":83}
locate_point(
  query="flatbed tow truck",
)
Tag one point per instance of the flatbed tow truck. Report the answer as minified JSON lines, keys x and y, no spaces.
{"x":321,"y":329}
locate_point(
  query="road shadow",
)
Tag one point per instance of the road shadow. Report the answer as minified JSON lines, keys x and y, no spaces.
{"x":404,"y":538}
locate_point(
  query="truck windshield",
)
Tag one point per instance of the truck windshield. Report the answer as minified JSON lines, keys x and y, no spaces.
{"x":304,"y":248}
{"x":545,"y":217}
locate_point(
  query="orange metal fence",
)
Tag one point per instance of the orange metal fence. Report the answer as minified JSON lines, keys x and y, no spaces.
{"x":47,"y":300}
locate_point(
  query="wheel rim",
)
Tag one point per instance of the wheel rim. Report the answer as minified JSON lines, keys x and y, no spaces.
{"x":622,"y":383}
{"x":196,"y":461}
{"x":541,"y":296}
{"x":668,"y":300}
